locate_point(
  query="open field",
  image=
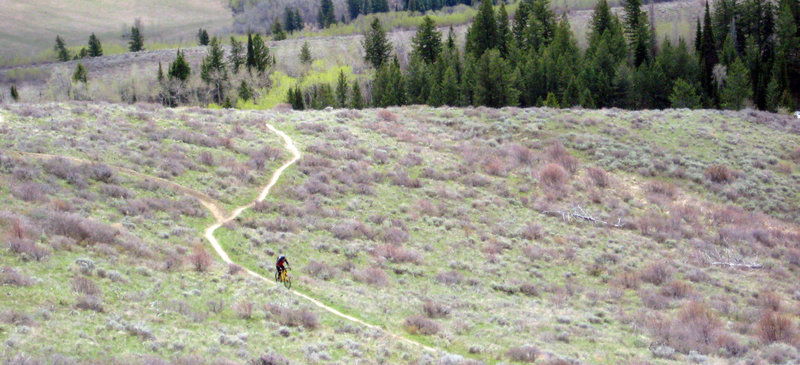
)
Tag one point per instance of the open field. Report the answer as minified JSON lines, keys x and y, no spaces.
{"x":511,"y":235}
{"x":28,"y":28}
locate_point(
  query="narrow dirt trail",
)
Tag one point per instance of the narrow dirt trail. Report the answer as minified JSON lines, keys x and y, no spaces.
{"x":209,"y":234}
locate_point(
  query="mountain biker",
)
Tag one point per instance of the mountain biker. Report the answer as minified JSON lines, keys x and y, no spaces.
{"x":279,"y":265}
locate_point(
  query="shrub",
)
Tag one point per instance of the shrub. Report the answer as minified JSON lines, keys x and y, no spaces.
{"x":90,"y":302}
{"x":435,"y":309}
{"x":84,"y":285}
{"x":553,"y":175}
{"x":398,"y":254}
{"x":101,"y":172}
{"x":28,"y":249}
{"x":395,"y":236}
{"x":522,"y":155}
{"x":320,"y":270}
{"x":234,"y":269}
{"x":29,"y":191}
{"x":216,"y":306}
{"x":269,"y":359}
{"x":244,"y":310}
{"x":700,"y":323}
{"x":770,"y":300}
{"x":656,"y":273}
{"x":495,"y":167}
{"x":556,"y":153}
{"x":293,"y":317}
{"x":450,"y":277}
{"x":421,"y":325}
{"x":524,"y":353}
{"x":661,"y":188}
{"x":719,"y":174}
{"x":387,"y":115}
{"x":677,"y":289}
{"x":207,"y":158}
{"x":775,"y":327}
{"x":598,"y":176}
{"x":16,"y":318}
{"x":10,"y":276}
{"x":629,"y":280}
{"x":371,"y":275}
{"x":529,"y":289}
{"x":200,"y":258}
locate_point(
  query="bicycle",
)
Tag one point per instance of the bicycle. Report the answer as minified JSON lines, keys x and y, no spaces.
{"x":283,"y":277}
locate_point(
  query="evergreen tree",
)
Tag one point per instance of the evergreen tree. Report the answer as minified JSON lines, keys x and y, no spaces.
{"x":277,"y":31}
{"x":356,"y":99}
{"x":136,"y":42}
{"x":250,"y":59}
{"x":179,"y":69}
{"x":14,"y":93}
{"x":728,"y":51}
{"x":292,"y":20}
{"x":684,"y":95}
{"x":61,"y":50}
{"x":737,"y":88}
{"x":202,"y":37}
{"x":417,"y":81}
{"x":601,"y":20}
{"x":326,"y":16}
{"x":380,"y":6}
{"x":341,"y":90}
{"x":261,"y":58}
{"x":708,"y":54}
{"x":450,"y":88}
{"x":83,"y":53}
{"x":482,"y":34}
{"x":355,"y":8}
{"x":551,"y":101}
{"x":305,"y":53}
{"x":638,"y":31}
{"x":160,"y":74}
{"x":520,"y":26}
{"x":632,"y":16}
{"x":95,"y":48}
{"x":298,"y":21}
{"x":698,"y":37}
{"x":237,"y":57}
{"x":213,"y":70}
{"x":387,"y":89}
{"x":451,"y":39}
{"x":504,"y":37}
{"x":80,"y":74}
{"x":787,"y":57}
{"x":245,"y":92}
{"x":427,"y":42}
{"x":542,"y":24}
{"x":376,"y":45}
{"x":494,"y":86}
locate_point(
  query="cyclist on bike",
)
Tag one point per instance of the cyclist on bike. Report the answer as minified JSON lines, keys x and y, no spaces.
{"x":280,"y":265}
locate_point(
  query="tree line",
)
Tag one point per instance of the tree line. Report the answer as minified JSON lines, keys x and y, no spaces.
{"x":745,"y":53}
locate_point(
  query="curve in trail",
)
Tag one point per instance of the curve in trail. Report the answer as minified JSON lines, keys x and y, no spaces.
{"x":215,"y":207}
{"x":209,"y":234}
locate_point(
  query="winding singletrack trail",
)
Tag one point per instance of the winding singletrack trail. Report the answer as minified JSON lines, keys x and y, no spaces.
{"x":209,"y":234}
{"x":221,"y":217}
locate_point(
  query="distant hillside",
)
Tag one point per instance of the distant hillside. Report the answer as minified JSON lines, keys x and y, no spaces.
{"x":29,"y":27}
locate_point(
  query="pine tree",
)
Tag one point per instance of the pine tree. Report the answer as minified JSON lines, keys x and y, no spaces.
{"x":80,"y":74}
{"x":14,"y":93}
{"x":387,"y":88}
{"x":708,"y":54}
{"x":482,"y":34}
{"x":698,"y":37}
{"x":356,"y":99}
{"x":601,"y":20}
{"x":542,"y":24}
{"x":376,"y":45}
{"x":291,"y":19}
{"x":214,"y":71}
{"x":258,"y":56}
{"x":504,"y":37}
{"x":298,"y":21}
{"x":202,"y":37}
{"x":494,"y":85}
{"x":305,"y":53}
{"x":136,"y":42}
{"x":728,"y":51}
{"x":236,"y":58}
{"x":417,"y":81}
{"x":427,"y":42}
{"x":684,"y":95}
{"x":160,"y":74}
{"x":245,"y":92}
{"x":355,"y":8}
{"x":326,"y":16}
{"x":277,"y":31}
{"x":787,"y":57}
{"x":380,"y":6}
{"x":737,"y":89}
{"x":179,"y":69}
{"x":341,"y":90}
{"x":520,"y":26}
{"x":637,"y":30}
{"x":95,"y":48}
{"x":450,"y":88}
{"x":61,"y":50}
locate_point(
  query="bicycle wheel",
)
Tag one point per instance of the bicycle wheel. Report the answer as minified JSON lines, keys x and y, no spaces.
{"x":277,"y":278}
{"x":287,"y":282}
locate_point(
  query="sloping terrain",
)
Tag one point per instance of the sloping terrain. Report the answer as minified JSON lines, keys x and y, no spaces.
{"x":29,"y":27}
{"x":512,"y":235}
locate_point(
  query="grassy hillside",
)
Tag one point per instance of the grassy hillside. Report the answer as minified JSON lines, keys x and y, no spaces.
{"x":492,"y":236}
{"x":29,"y":28}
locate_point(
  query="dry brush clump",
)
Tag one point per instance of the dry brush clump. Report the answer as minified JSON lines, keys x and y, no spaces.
{"x":419,"y":325}
{"x":657,"y":273}
{"x":11,"y":276}
{"x":434,"y":309}
{"x":720,"y":174}
{"x":293,"y":317}
{"x":774,"y":326}
{"x":321,"y":270}
{"x":525,"y":353}
{"x":200,"y":258}
{"x":371,"y":275}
